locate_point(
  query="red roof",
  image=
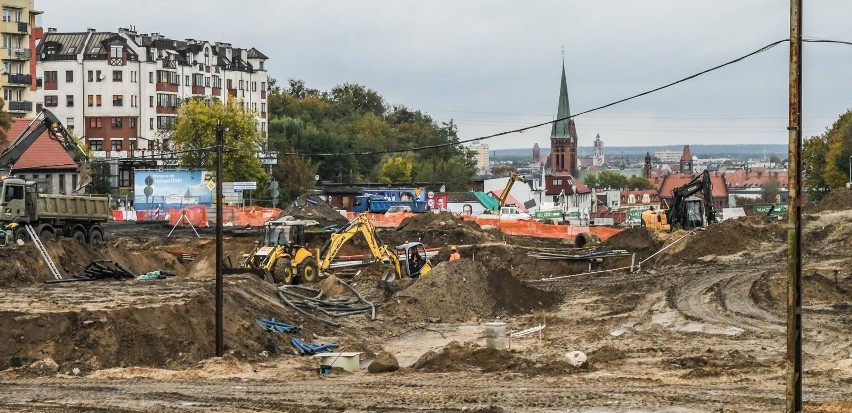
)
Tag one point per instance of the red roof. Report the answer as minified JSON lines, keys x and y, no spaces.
{"x":741,"y":179}
{"x":45,"y":153}
{"x":687,"y":155}
{"x":678,"y":180}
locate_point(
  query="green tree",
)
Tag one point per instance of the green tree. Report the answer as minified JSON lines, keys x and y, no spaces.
{"x":639,"y":182}
{"x":591,"y":180}
{"x":295,"y":176}
{"x":396,"y":169}
{"x":770,"y":190}
{"x":612,"y":180}
{"x":825,"y":158}
{"x":100,"y":184}
{"x":5,"y":124}
{"x":195,"y":135}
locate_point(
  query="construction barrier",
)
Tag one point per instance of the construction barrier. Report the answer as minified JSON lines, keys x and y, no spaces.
{"x":506,"y":226}
{"x":196,"y":214}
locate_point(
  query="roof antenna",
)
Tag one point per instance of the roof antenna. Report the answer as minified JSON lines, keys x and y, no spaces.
{"x":563,"y":54}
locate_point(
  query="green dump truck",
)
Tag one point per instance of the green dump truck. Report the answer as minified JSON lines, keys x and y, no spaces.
{"x":76,"y":216}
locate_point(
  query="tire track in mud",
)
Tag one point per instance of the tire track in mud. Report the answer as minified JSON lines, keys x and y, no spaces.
{"x":721,"y":295}
{"x":416,"y":392}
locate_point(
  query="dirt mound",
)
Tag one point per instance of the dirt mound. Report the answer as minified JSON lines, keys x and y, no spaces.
{"x":836,"y":200}
{"x":466,"y":357}
{"x":730,"y":237}
{"x":439,"y":229}
{"x":637,"y":240}
{"x":464,"y":290}
{"x":308,"y":206}
{"x":160,"y":323}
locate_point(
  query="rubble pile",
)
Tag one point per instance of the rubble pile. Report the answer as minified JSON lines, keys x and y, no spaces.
{"x":312,"y":207}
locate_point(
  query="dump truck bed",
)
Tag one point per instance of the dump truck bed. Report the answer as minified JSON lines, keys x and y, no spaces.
{"x":90,"y":208}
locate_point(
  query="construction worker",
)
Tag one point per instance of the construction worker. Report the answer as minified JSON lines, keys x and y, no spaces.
{"x":454,"y":253}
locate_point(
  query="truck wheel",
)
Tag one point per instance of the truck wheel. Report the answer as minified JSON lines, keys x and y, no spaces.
{"x":21,"y":234}
{"x":96,"y":237}
{"x":283,"y":271}
{"x":308,"y":272}
{"x":79,"y":236}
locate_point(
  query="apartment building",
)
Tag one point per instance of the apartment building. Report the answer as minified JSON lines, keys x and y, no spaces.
{"x":17,"y":80}
{"x":119,"y":91}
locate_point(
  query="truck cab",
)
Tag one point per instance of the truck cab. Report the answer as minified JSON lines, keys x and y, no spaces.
{"x":14,"y":202}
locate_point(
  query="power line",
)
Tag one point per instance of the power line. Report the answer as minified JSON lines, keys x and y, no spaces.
{"x":657,"y":89}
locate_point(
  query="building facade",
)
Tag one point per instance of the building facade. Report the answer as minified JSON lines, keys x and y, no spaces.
{"x":483,"y":158}
{"x":119,"y":91}
{"x":17,"y":80}
{"x":563,"y":135}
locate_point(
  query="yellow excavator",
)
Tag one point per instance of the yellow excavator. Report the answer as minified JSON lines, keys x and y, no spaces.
{"x":281,"y":256}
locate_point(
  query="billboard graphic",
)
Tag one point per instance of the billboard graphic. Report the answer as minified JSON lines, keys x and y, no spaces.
{"x":171,"y":189}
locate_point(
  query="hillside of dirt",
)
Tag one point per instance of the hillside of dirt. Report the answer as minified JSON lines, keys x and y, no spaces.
{"x":439,"y":230}
{"x":728,"y":237}
{"x":836,"y":200}
{"x":308,"y":206}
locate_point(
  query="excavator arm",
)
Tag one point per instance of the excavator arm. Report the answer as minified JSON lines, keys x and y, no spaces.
{"x":361,"y":224}
{"x":502,"y":200}
{"x":47,"y":121}
{"x":700,"y":183}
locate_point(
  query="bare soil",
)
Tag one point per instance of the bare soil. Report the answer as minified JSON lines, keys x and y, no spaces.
{"x":702,"y":331}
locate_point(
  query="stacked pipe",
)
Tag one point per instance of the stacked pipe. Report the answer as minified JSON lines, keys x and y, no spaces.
{"x":99,"y":270}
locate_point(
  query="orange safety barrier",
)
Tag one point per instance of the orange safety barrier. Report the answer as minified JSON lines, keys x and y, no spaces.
{"x":509,"y":227}
{"x":249,"y":216}
{"x":196,"y":214}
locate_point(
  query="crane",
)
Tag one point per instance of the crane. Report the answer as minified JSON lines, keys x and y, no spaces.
{"x":505,"y":194}
{"x":47,"y":121}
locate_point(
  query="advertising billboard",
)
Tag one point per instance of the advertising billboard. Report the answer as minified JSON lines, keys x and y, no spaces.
{"x":172,"y":189}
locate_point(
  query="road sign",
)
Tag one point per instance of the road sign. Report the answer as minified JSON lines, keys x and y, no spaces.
{"x":430,"y":195}
{"x":245,"y":185}
{"x":211,"y":185}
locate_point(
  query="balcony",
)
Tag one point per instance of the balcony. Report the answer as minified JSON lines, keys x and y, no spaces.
{"x":23,"y":80}
{"x":263,"y":94}
{"x":217,"y":91}
{"x":14,"y":27}
{"x":197,"y":90}
{"x":12,"y":53}
{"x":165,"y":110}
{"x":20,"y":106}
{"x":167,"y":87}
{"x":263,"y":115}
{"x":232,"y":93}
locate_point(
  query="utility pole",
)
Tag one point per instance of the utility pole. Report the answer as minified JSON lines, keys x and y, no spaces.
{"x":220,"y":143}
{"x":794,"y":217}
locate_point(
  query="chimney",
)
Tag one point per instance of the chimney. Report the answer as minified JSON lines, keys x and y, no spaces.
{"x":51,"y":29}
{"x":90,"y":30}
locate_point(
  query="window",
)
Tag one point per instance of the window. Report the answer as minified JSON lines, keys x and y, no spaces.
{"x":51,"y":101}
{"x":69,"y":75}
{"x":98,"y":99}
{"x":241,"y":84}
{"x":91,"y":75}
{"x":165,"y":122}
{"x":96,"y":50}
{"x":74,"y":179}
{"x":207,"y":81}
{"x":94,"y":122}
{"x":165,"y":100}
{"x":50,"y":76}
{"x":186,"y":82}
{"x":262,"y":106}
{"x":69,"y":100}
{"x":151,"y":101}
{"x":116,"y":123}
{"x":91,"y":100}
{"x":115,"y":52}
{"x":197,"y":79}
{"x":61,"y":183}
{"x":263,"y":86}
{"x":150,"y":77}
{"x":132,"y":123}
{"x":98,"y":75}
{"x":254,"y":86}
{"x":131,"y":145}
{"x":134,"y":102}
{"x":117,"y":75}
{"x":95,"y":145}
{"x":133,"y":76}
{"x":151,"y":124}
{"x":14,"y":192}
{"x":261,"y":65}
{"x":118,"y":100}
{"x":69,"y":123}
{"x":115,"y":145}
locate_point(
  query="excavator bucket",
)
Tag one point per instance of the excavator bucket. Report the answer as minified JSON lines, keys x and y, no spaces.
{"x":85,"y":176}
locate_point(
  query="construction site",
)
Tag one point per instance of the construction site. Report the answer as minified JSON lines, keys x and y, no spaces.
{"x":653,"y":321}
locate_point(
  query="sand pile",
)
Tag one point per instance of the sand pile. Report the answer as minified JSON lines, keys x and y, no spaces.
{"x":637,"y":240}
{"x":730,"y":237}
{"x":836,"y":200}
{"x":471,"y":357}
{"x":442,"y":229}
{"x":464,"y":290}
{"x":313,"y":207}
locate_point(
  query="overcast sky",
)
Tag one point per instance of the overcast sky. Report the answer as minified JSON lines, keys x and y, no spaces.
{"x":494,"y":65}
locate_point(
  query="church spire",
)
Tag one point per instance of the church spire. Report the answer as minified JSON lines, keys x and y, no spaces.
{"x":560,"y":128}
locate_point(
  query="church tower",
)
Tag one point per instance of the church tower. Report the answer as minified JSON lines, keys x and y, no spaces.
{"x":598,"y":156}
{"x":686,"y":160}
{"x":563,"y":136}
